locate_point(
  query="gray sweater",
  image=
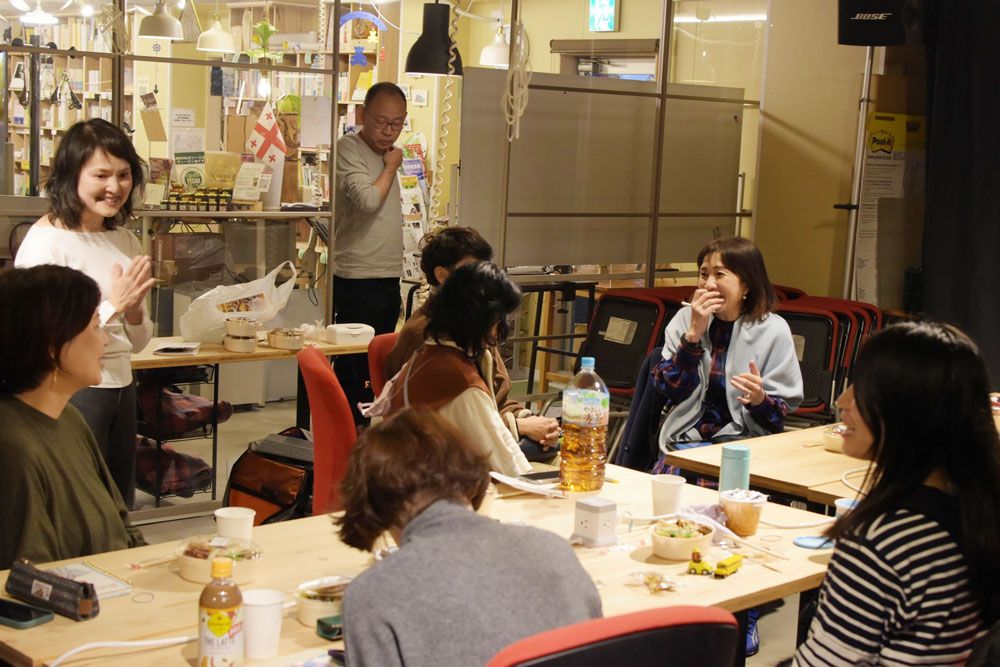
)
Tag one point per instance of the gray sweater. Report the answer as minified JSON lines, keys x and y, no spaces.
{"x":368,"y":231}
{"x":461,"y":588}
{"x":767,"y":342}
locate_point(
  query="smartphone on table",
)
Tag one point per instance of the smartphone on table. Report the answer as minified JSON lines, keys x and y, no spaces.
{"x":541,"y":477}
{"x":18,"y":615}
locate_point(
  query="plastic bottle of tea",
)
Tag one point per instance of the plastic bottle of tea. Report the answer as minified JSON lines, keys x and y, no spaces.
{"x":220,"y":619}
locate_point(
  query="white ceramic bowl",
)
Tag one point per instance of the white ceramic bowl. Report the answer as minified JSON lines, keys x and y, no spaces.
{"x":240,"y":343}
{"x":314,"y":603}
{"x":241,"y":326}
{"x":679,"y":548}
{"x":194,"y":556}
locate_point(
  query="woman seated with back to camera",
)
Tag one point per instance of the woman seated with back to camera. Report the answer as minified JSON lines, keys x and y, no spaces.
{"x":57,"y":497}
{"x":462,"y":586}
{"x":453,"y":371}
{"x":913,"y":578}
{"x":729,"y":369}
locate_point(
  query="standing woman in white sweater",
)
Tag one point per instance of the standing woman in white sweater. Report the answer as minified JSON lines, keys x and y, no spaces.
{"x":95,"y":181}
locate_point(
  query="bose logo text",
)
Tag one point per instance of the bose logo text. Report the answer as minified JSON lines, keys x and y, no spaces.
{"x":871,"y":17}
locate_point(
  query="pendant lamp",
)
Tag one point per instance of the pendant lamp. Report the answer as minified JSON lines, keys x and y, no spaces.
{"x":496,"y":54}
{"x":216,"y":39}
{"x":431,"y":52}
{"x":160,"y":24}
{"x":38,"y":16}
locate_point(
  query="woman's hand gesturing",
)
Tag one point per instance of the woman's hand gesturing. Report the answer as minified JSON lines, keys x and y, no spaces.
{"x":752,"y":386}
{"x":129,"y":287}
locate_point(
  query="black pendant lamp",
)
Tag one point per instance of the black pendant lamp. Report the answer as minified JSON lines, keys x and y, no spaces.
{"x":430,"y":53}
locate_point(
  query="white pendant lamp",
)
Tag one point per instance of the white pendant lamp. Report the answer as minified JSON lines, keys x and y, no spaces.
{"x":216,"y":39}
{"x":496,"y":54}
{"x":38,"y":16}
{"x":160,"y":24}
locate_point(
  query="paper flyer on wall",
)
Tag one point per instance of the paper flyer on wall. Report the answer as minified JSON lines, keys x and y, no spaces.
{"x":894,"y":168}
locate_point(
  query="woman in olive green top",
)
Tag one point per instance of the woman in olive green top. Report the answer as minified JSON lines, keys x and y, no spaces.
{"x":57,"y":498}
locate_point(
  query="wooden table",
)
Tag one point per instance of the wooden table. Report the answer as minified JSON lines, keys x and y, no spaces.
{"x":296,"y":551}
{"x":793,"y":463}
{"x":214,"y":353}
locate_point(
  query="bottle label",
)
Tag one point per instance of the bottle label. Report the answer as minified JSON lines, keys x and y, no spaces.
{"x":585,"y":407}
{"x":220,"y":636}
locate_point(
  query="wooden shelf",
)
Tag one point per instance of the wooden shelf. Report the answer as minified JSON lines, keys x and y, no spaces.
{"x":276,"y":215}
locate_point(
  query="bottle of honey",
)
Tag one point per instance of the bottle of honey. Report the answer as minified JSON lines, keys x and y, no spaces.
{"x":220,"y":619}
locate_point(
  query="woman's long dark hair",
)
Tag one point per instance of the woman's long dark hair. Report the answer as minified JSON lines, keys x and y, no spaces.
{"x":82,"y":140}
{"x":473,"y":298}
{"x":923,"y":390}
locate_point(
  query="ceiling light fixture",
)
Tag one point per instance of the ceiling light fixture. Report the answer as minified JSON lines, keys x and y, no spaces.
{"x":160,"y":24}
{"x":216,"y":39}
{"x":37,"y":16}
{"x":497,"y":53}
{"x":432,"y":50}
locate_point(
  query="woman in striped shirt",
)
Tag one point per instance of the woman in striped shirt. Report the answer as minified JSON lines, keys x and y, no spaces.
{"x":912,"y":579}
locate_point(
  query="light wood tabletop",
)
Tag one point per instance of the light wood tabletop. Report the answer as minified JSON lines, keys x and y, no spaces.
{"x":297,"y":551}
{"x":214,"y":353}
{"x":792,"y":462}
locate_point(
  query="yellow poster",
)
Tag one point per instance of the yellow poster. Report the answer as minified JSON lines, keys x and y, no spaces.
{"x":893,"y":168}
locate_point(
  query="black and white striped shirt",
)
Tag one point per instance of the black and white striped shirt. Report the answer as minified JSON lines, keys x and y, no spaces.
{"x":899,"y":594}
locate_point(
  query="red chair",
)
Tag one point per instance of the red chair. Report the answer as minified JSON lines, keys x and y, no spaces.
{"x":378,"y":349}
{"x":333,"y":429}
{"x":684,"y":636}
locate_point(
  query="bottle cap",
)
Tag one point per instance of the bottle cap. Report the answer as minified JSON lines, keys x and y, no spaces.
{"x":587,"y":362}
{"x":731,"y":451}
{"x":222,"y":568}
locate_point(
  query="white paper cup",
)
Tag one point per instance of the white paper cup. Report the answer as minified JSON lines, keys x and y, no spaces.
{"x":844,"y":505}
{"x":235,"y":522}
{"x":666,"y":493}
{"x":262,"y":610}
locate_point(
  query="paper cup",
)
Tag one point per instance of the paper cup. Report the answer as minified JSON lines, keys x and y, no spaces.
{"x":743,"y":509}
{"x":262,"y":610}
{"x":666,"y":493}
{"x":845,"y":505}
{"x":235,"y":522}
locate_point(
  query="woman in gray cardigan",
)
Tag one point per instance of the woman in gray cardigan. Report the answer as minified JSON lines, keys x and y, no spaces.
{"x":462,"y":586}
{"x":729,"y":369}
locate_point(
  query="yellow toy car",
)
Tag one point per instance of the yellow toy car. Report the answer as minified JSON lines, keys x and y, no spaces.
{"x":727,"y":566}
{"x":697,"y":565}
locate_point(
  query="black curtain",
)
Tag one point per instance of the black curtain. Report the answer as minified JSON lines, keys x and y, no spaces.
{"x":961,"y":251}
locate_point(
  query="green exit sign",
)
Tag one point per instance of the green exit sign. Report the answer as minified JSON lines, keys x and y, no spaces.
{"x":604,"y":15}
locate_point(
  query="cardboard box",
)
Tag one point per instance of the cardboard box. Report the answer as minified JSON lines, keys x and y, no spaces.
{"x":238,"y":130}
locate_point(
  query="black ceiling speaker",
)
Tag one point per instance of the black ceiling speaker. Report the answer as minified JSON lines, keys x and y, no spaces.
{"x":880,"y":22}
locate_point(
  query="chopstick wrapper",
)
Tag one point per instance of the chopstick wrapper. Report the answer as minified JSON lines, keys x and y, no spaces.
{"x":73,"y":599}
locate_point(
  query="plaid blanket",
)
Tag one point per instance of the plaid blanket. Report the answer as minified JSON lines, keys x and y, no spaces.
{"x":183,"y":474}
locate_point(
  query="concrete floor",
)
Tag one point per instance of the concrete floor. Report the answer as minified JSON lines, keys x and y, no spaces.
{"x":777,"y":626}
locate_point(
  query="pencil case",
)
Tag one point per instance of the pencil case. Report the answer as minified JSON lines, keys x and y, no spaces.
{"x":73,"y":599}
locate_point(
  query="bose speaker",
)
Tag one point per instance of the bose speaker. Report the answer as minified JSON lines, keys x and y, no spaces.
{"x":880,"y":22}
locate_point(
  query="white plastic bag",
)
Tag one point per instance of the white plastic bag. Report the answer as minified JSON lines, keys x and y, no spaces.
{"x":261,"y":299}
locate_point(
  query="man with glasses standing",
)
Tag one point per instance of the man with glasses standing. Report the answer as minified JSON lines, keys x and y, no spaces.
{"x":368,"y":237}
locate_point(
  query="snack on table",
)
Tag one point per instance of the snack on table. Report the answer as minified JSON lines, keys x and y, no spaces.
{"x":320,"y":598}
{"x":743,"y":509}
{"x":833,"y":438}
{"x":673,"y":539}
{"x":195,"y":556}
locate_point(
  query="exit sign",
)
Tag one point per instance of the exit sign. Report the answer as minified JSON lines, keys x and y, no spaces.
{"x":604,"y":15}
